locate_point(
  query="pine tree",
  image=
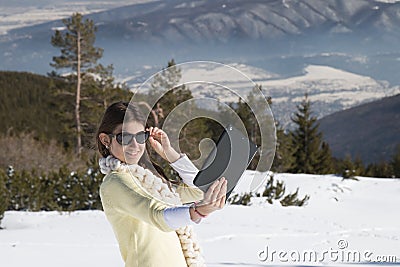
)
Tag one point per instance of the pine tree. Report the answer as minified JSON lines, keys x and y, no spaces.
{"x":98,"y":93}
{"x":166,"y":82}
{"x":325,"y":164}
{"x":105,"y":90}
{"x":79,"y":54}
{"x":359,"y":166}
{"x":247,"y":117}
{"x":283,"y":160}
{"x":348,"y":168}
{"x":381,"y":169}
{"x":246,"y":111}
{"x":3,"y":194}
{"x":293,"y":200}
{"x":265,"y":119}
{"x":273,"y":190}
{"x":190,"y":135}
{"x":307,"y":141}
{"x":395,"y":162}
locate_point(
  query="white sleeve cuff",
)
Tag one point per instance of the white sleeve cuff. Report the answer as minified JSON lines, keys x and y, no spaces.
{"x":185,"y":168}
{"x":177,"y":217}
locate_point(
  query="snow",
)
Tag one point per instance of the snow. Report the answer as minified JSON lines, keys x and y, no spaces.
{"x":222,"y":74}
{"x":317,"y":72}
{"x":330,"y":89}
{"x":388,"y":1}
{"x":216,"y":79}
{"x":362,"y":214}
{"x":19,"y":14}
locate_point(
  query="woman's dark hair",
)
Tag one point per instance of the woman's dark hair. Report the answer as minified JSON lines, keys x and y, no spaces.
{"x":112,"y":118}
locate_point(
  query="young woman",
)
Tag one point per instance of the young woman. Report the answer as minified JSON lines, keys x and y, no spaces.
{"x":150,"y":215}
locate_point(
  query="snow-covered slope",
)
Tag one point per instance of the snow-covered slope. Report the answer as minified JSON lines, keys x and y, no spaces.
{"x":219,"y":20}
{"x":387,"y":1}
{"x":360,"y":214}
{"x":279,"y":32}
{"x":19,"y":13}
{"x":239,"y":77}
{"x":330,"y":89}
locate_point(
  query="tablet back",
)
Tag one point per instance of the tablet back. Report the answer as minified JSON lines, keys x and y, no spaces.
{"x":229,"y":158}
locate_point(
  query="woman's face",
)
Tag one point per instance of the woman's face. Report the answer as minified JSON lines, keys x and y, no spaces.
{"x":130,"y":153}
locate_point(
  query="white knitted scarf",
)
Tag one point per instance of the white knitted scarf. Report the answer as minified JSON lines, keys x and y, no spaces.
{"x":156,"y":187}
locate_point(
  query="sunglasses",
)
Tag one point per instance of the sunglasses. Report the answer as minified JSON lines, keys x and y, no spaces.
{"x":125,"y":139}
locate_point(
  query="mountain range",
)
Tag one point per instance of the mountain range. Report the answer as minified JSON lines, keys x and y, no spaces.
{"x":281,"y":36}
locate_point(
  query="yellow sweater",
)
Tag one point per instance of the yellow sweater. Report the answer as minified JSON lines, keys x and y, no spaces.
{"x":144,"y":238}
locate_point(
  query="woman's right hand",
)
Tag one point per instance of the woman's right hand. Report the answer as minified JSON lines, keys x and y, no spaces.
{"x":214,"y":198}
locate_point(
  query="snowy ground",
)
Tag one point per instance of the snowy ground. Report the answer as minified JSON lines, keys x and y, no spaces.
{"x":343,"y":220}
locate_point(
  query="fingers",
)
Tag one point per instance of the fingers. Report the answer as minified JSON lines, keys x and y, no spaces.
{"x":220,"y":199}
{"x":215,"y":197}
{"x":221,"y":203}
{"x":153,"y":141}
{"x":155,"y":132}
{"x":210,"y":191}
{"x":216,"y":192}
{"x":159,"y":135}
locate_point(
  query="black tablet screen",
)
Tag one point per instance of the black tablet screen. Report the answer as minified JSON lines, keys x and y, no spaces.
{"x":229,"y":158}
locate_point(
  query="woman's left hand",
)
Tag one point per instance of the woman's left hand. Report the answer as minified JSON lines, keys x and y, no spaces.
{"x":159,"y":141}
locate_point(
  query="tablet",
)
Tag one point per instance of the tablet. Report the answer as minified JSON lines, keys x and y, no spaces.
{"x":229,"y":158}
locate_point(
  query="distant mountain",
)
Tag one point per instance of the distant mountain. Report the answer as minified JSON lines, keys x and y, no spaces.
{"x":21,"y":13}
{"x":223,"y":21}
{"x":370,"y":131}
{"x":282,"y":36}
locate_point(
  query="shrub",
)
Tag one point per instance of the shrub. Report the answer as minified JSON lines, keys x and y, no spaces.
{"x":62,"y":190}
{"x":274,"y":190}
{"x":24,"y":152}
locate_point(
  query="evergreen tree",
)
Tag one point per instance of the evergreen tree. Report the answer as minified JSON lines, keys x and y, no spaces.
{"x":348,"y":168}
{"x":99,"y":92}
{"x":274,"y":191}
{"x":381,"y":170}
{"x":3,"y":194}
{"x":259,"y":107}
{"x":325,"y":164}
{"x":359,"y":166}
{"x":166,"y":81}
{"x":307,"y":142}
{"x":395,"y":162}
{"x":25,"y":102}
{"x":293,"y":200}
{"x":104,"y":89}
{"x":283,"y":160}
{"x":79,"y":54}
{"x":251,"y":123}
{"x":247,"y":117}
{"x":190,"y":135}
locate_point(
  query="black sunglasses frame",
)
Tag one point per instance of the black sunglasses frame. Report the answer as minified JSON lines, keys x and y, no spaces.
{"x":118,"y":137}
